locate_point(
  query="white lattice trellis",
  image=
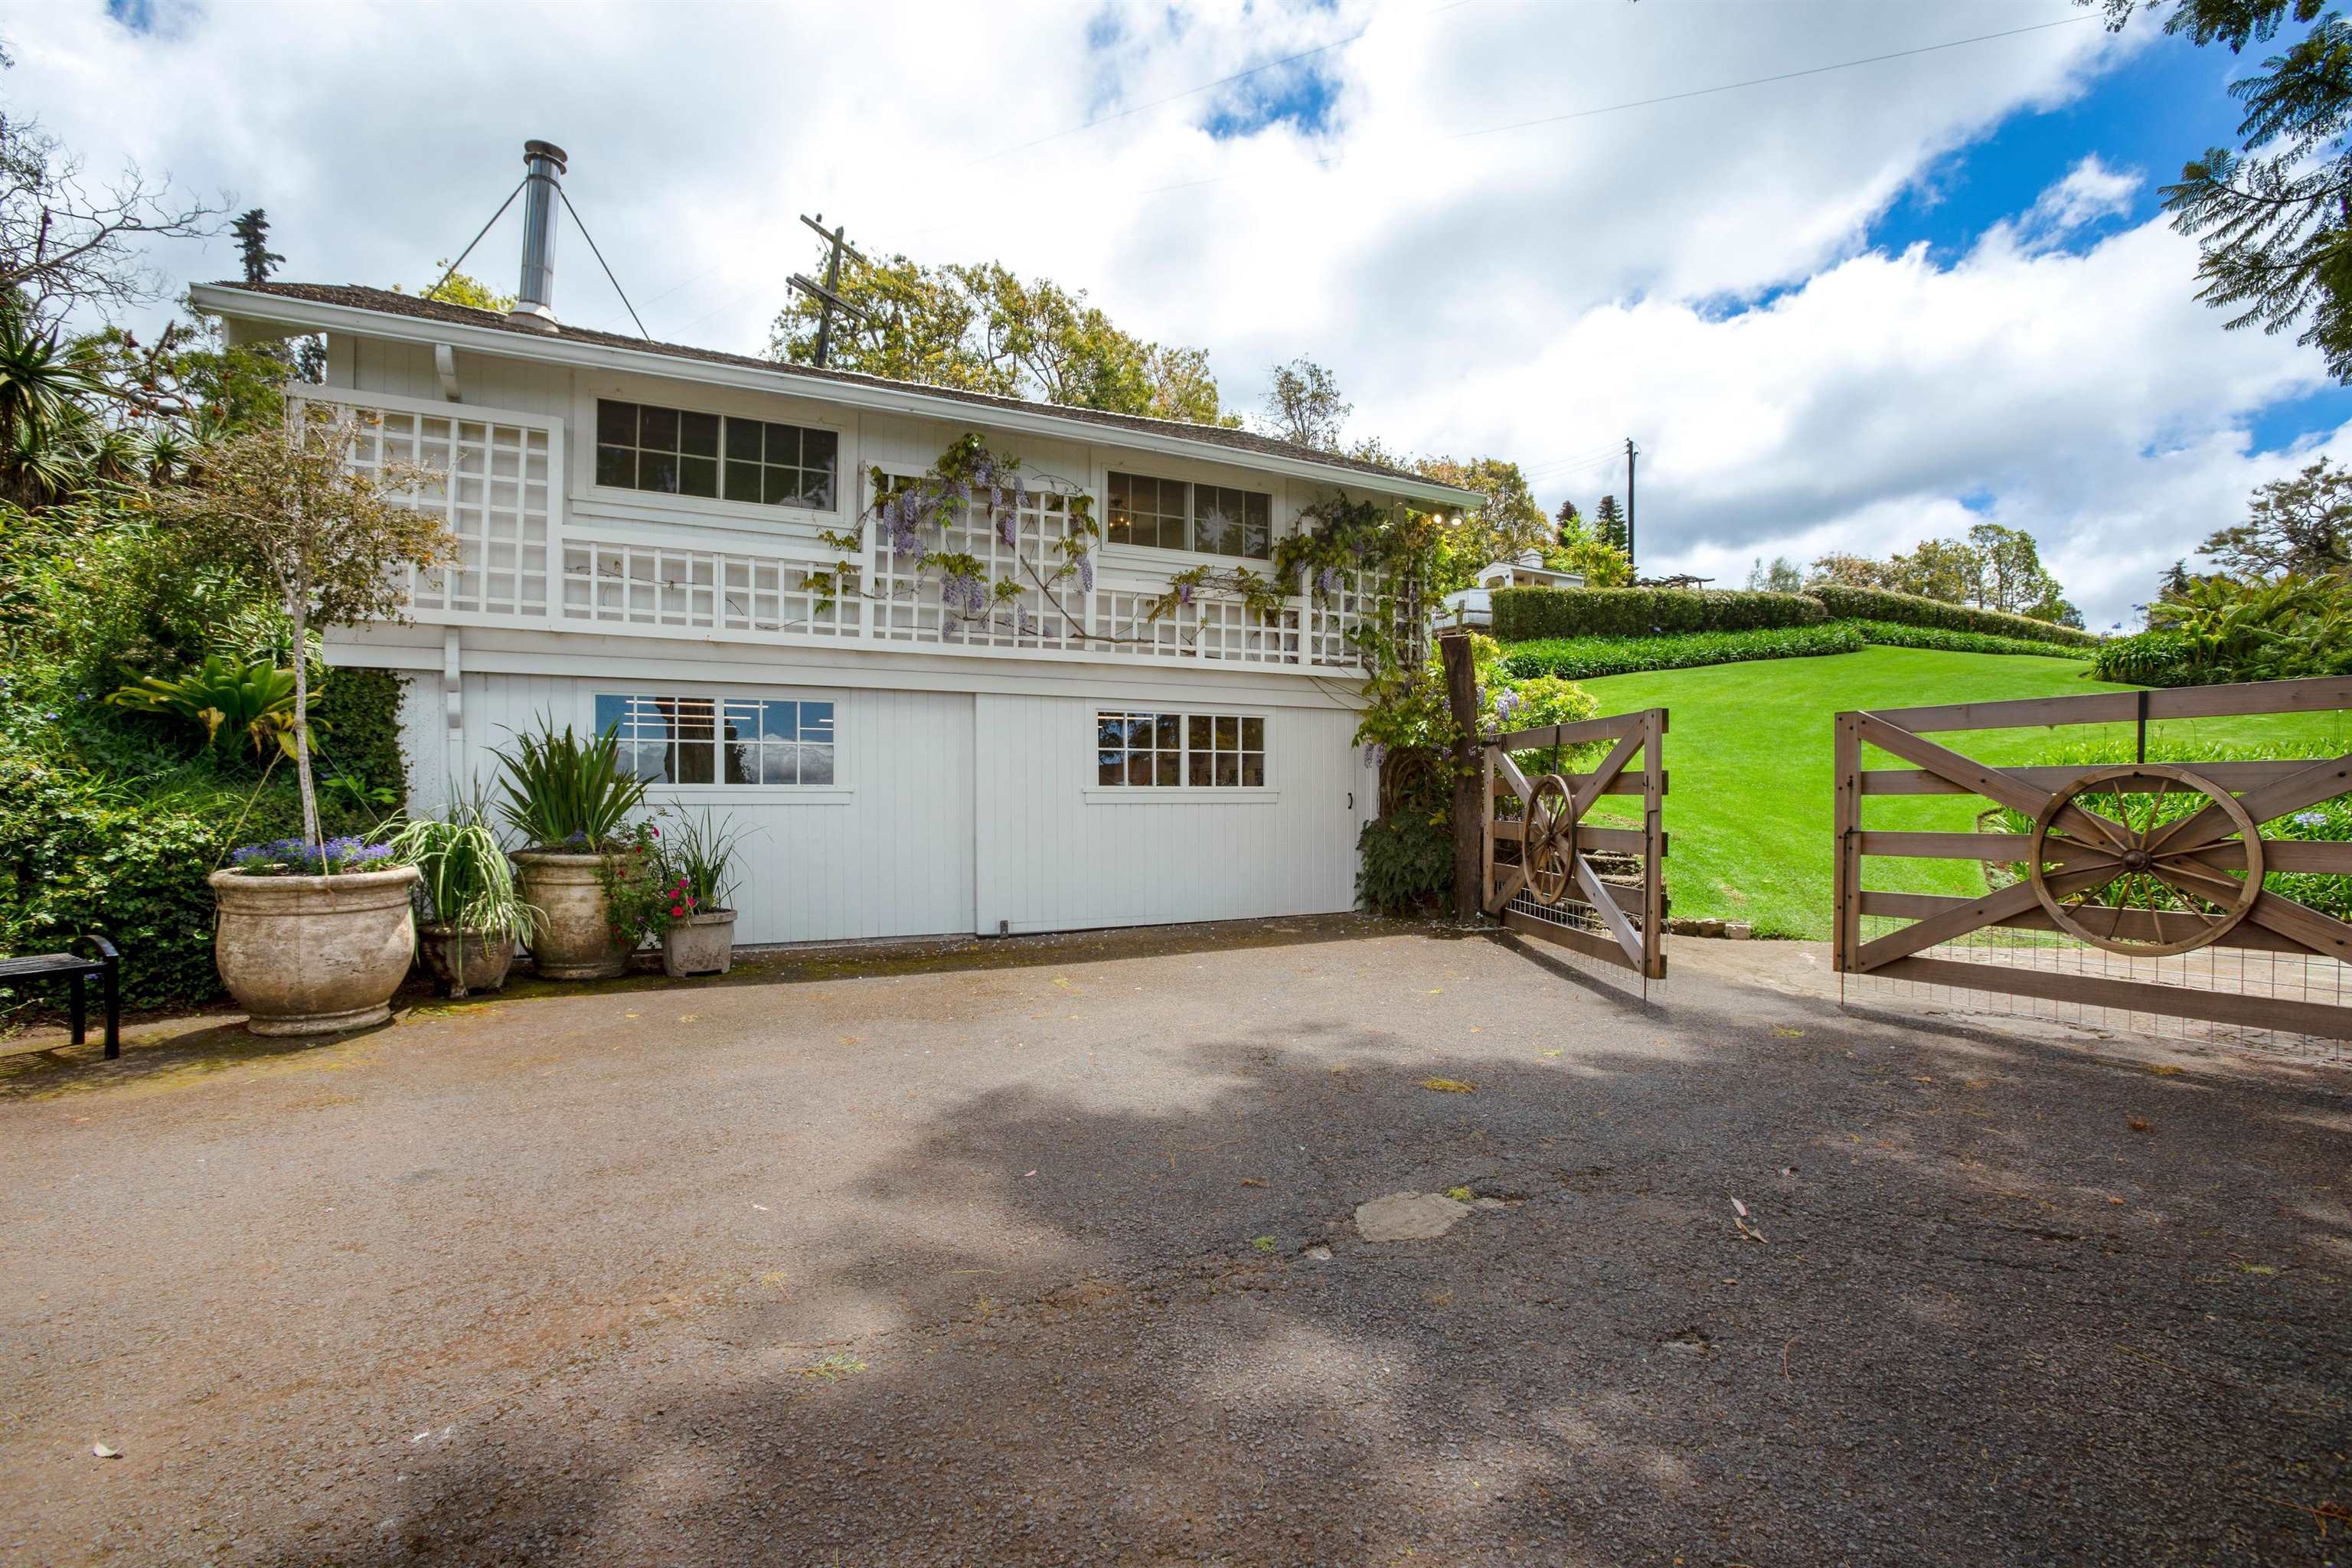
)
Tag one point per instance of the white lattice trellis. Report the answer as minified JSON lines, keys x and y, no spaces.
{"x":700,"y":590}
{"x":494,"y":492}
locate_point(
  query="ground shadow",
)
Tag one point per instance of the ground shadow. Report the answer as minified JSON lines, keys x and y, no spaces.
{"x":1960,"y":1310}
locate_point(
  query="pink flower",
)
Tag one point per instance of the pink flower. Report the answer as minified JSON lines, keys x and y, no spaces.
{"x":674,"y":909}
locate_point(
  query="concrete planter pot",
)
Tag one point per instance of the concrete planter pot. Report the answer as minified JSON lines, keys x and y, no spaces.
{"x":700,"y":944}
{"x":309,"y":955}
{"x":573,"y":940}
{"x":462,"y":961}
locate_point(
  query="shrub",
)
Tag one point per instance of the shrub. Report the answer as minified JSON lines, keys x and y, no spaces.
{"x":1913,"y":610}
{"x":1587,"y":659}
{"x":1889,"y":634}
{"x":1407,"y":861}
{"x":2147,"y":659}
{"x":1523,"y":615}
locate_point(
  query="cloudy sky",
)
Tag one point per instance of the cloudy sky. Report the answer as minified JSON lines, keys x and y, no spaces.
{"x":1849,"y":309}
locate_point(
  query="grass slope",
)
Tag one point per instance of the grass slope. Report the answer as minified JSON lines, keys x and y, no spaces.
{"x":1748,"y":758}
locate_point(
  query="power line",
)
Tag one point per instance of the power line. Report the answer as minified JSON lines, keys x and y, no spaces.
{"x":1762,"y":81}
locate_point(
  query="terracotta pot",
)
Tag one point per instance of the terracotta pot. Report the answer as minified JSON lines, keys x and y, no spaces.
{"x":573,"y":938}
{"x":482,"y":967}
{"x":309,"y":955}
{"x":700,"y":944}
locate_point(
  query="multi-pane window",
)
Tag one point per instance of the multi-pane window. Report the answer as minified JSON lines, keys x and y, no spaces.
{"x":679,"y":452}
{"x":721,"y":741}
{"x":1165,"y":751}
{"x":1169,"y":514}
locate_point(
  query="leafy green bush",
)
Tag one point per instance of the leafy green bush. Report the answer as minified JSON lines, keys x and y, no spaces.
{"x":2147,"y":659}
{"x":1525,"y":615}
{"x":1587,"y":659}
{"x":1407,"y":861}
{"x":1912,"y":610}
{"x":1889,"y":634}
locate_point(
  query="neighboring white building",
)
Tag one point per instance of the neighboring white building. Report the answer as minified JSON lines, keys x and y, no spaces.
{"x":638,"y":521}
{"x":1475,"y":607}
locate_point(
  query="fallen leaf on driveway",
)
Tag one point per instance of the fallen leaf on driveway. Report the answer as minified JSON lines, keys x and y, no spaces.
{"x":1449,"y":1085}
{"x":1740,"y":1207}
{"x":1548,"y":1054}
{"x":100,"y":1450}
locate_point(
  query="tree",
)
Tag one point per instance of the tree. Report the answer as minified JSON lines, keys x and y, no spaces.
{"x":252,"y":231}
{"x":1942,"y":569}
{"x":983,"y":328}
{"x":64,"y":245}
{"x":1608,"y":523}
{"x":2273,"y":216}
{"x":462,"y":289}
{"x":1570,"y":523}
{"x":1781,"y":577}
{"x":283,"y":505}
{"x":1602,"y":564}
{"x":2302,"y":525}
{"x":1305,"y":406}
{"x":2008,"y":575}
{"x":1841,"y":570}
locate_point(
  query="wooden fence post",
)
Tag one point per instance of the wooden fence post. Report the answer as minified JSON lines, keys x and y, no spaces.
{"x":1845,"y":765}
{"x":1469,"y":812}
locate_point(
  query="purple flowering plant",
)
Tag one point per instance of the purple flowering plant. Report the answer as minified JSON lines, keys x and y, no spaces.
{"x":293,"y":858}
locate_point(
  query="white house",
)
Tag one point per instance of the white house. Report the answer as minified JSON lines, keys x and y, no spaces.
{"x":1475,"y":607}
{"x":639,"y":524}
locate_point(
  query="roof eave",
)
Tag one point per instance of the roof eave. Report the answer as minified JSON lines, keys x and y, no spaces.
{"x":311,"y":315}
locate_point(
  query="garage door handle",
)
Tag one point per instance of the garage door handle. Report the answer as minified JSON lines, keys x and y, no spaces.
{"x":1351,"y":800}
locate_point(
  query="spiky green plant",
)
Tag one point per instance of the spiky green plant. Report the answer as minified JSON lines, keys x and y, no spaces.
{"x":564,"y":792}
{"x":229,"y":697}
{"x":468,"y":882}
{"x":702,"y":853}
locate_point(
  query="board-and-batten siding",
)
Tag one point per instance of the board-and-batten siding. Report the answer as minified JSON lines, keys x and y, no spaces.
{"x":889,"y":854}
{"x":1051,"y":858}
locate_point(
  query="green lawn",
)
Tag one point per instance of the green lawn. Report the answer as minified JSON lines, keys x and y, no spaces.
{"x":1747,"y":756}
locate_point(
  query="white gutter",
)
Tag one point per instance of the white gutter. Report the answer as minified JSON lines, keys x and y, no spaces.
{"x":313,"y":316}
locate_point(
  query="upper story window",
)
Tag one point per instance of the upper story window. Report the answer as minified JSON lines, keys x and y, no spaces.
{"x":676,"y":451}
{"x":721,"y":741}
{"x":1169,"y":514}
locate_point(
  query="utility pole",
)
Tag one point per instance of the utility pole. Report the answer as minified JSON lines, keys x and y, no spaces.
{"x":1632,"y":452}
{"x":825,"y":294}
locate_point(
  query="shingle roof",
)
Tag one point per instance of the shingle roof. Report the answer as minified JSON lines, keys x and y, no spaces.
{"x":385,"y":301}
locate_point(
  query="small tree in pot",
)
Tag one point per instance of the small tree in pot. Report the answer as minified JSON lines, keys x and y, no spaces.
{"x":571,"y":801}
{"x":306,"y":935}
{"x":473,"y":913}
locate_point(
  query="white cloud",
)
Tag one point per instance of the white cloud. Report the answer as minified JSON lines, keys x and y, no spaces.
{"x":1536,"y":292}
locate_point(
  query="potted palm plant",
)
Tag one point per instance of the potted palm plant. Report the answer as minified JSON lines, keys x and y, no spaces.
{"x":472,"y":912}
{"x":571,"y":801}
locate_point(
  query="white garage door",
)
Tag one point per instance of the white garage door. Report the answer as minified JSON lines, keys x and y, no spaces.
{"x":1106,"y":813}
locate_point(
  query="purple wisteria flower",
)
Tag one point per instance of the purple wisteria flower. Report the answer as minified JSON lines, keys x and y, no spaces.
{"x":1008,"y":529}
{"x":1374,"y":753}
{"x":1326,"y":582}
{"x":1086,"y":572}
{"x":1506,"y":702}
{"x":1184,"y":594}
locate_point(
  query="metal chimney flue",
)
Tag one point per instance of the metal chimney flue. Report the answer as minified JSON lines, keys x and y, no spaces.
{"x":534,"y":304}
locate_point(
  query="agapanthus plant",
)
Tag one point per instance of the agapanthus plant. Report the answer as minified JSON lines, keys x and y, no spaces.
{"x":292,"y":857}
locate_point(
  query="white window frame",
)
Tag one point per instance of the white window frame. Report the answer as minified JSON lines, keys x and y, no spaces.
{"x":1096,"y":793}
{"x":840,"y":791}
{"x":598,"y":504}
{"x":1153,"y":558}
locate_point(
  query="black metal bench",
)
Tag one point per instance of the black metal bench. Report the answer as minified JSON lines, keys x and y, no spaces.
{"x":106,"y":965}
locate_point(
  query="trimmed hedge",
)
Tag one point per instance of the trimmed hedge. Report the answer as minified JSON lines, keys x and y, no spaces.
{"x":1889,"y":635}
{"x":1525,"y":615}
{"x":1530,"y":614}
{"x":1586,"y":659}
{"x":1911,"y":610}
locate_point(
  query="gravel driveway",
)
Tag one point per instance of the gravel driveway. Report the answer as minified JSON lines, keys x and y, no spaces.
{"x":1042,"y":1253}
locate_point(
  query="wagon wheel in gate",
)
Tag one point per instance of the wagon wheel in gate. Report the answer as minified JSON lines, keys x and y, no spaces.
{"x":2091,"y":872}
{"x":1548,"y":850}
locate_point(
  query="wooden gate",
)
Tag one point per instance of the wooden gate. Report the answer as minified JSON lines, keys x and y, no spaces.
{"x":1543,"y":855}
{"x":2144,"y":860}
